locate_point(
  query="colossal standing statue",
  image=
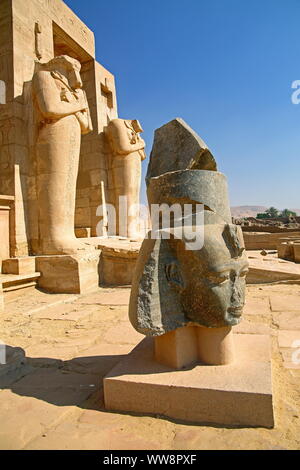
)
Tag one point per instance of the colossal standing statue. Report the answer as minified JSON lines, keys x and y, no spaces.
{"x":127,"y":153}
{"x":62,"y":116}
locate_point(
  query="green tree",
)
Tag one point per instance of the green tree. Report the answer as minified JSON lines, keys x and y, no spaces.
{"x":287,"y":213}
{"x":262,"y":215}
{"x":272,"y":212}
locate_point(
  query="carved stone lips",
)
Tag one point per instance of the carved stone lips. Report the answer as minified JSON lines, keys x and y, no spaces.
{"x":236,"y":311}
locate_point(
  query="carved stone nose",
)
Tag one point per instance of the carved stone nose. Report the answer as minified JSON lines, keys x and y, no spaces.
{"x":236,"y":296}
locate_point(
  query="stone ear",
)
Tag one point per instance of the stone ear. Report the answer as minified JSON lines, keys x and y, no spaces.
{"x":173,"y":275}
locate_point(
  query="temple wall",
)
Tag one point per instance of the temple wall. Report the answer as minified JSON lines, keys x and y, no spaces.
{"x":38,"y":30}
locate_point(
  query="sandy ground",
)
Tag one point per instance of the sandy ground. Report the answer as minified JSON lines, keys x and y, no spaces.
{"x":71,"y":342}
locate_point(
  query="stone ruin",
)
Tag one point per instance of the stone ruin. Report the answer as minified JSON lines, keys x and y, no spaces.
{"x":288,"y":248}
{"x":64,"y":152}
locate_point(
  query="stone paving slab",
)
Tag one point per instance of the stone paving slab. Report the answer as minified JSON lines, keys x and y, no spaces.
{"x":65,"y":354}
{"x":23,"y":418}
{"x":287,"y":320}
{"x":111,"y":297}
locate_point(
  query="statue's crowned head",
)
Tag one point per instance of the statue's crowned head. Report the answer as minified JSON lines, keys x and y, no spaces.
{"x":68,"y":67}
{"x":175,"y":285}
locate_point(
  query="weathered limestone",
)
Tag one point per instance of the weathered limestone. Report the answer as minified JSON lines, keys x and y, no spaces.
{"x":6,"y":203}
{"x":185,"y":346}
{"x":117,"y":260}
{"x":30,"y":31}
{"x":83,"y":232}
{"x":14,"y":285}
{"x":125,"y":164}
{"x":297,"y":252}
{"x":25,"y":265}
{"x":53,"y":165}
{"x":236,"y":394}
{"x":264,"y":240}
{"x":66,"y":274}
{"x":287,"y":248}
{"x":117,"y":266}
{"x":62,"y":116}
{"x":188,"y":298}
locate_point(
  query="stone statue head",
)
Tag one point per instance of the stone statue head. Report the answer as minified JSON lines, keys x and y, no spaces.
{"x":210,"y":282}
{"x":68,"y":67}
{"x":174,"y":285}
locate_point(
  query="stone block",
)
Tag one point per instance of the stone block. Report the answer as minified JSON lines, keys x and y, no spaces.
{"x":116,"y":271}
{"x":237,"y":394}
{"x":296,"y":247}
{"x":264,"y":240}
{"x":23,"y":265}
{"x":83,"y":232}
{"x":66,"y":274}
{"x":285,"y":251}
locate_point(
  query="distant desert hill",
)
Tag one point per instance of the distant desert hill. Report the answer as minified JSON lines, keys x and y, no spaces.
{"x":251,"y":211}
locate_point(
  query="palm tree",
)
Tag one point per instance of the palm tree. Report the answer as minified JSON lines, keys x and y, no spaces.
{"x":287,"y":213}
{"x":272,"y":212}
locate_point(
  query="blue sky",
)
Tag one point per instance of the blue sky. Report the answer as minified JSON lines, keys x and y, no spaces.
{"x":226,"y":67}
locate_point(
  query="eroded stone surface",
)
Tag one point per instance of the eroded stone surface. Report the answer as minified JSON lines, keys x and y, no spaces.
{"x":127,"y":153}
{"x":177,"y":147}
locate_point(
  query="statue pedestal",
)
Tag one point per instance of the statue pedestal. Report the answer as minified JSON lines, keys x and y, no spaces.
{"x":69,"y":274}
{"x":191,"y":344}
{"x":235,"y":394}
{"x":118,"y":259}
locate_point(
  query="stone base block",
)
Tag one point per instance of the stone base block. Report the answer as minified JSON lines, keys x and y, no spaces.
{"x":237,"y":394}
{"x":285,"y":251}
{"x":24,"y":265}
{"x":296,"y":247}
{"x":118,"y":260}
{"x":69,"y":274}
{"x":116,"y":271}
{"x":83,"y":232}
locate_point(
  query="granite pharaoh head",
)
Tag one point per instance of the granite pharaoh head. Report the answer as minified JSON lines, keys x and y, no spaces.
{"x":174,"y":285}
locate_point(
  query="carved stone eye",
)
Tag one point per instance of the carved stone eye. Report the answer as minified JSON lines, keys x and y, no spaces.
{"x":244,"y":273}
{"x":218,"y":278}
